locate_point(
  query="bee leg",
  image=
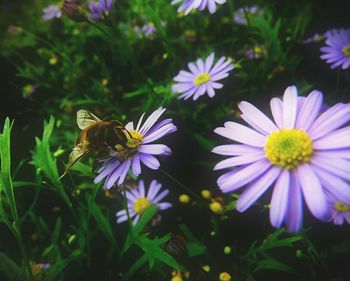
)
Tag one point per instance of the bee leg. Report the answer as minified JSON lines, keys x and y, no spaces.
{"x":126,"y":130}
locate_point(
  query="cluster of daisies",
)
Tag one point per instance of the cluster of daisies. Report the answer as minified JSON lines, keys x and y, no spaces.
{"x":302,"y":153}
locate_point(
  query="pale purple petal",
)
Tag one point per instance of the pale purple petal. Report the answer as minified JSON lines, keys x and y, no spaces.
{"x":290,"y":100}
{"x":256,"y":118}
{"x":151,"y":120}
{"x":276,"y":110}
{"x":239,"y":160}
{"x":257,"y":188}
{"x":235,"y":149}
{"x":330,"y":120}
{"x":279,"y":200}
{"x":236,"y":179}
{"x":309,"y":111}
{"x":160,"y":196}
{"x":242,"y":134}
{"x":150,"y":161}
{"x":333,"y":165}
{"x":313,"y":193}
{"x":153,"y":190}
{"x":294,"y":219}
{"x":136,"y":165}
{"x":141,"y":188}
{"x":334,"y":185}
{"x":155,"y":149}
{"x":334,"y":140}
{"x":164,"y":205}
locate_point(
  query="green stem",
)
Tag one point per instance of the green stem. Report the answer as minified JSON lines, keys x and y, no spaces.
{"x":195,"y":195}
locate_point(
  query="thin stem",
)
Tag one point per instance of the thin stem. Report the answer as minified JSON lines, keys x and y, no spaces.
{"x":195,"y":195}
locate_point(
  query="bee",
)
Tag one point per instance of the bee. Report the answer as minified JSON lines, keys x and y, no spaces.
{"x":96,"y":136}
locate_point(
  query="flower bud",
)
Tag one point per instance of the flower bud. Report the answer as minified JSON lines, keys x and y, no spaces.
{"x":72,"y":10}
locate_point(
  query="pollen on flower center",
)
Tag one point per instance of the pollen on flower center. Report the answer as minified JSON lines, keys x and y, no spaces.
{"x":141,"y":204}
{"x":134,"y":139}
{"x":288,"y":148}
{"x":341,"y":207}
{"x":201,"y":79}
{"x":346,"y":50}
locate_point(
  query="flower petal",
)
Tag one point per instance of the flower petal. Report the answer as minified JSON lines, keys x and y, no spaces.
{"x":235,"y":149}
{"x":276,"y":110}
{"x":294,"y":219}
{"x":330,"y":120}
{"x":313,"y":193}
{"x":239,"y":160}
{"x":257,"y":188}
{"x":154,"y":149}
{"x":242,"y":134}
{"x":237,"y":178}
{"x":279,"y":200}
{"x":150,"y":161}
{"x":334,"y":140}
{"x":256,"y":118}
{"x":309,"y":110}
{"x":290,"y":101}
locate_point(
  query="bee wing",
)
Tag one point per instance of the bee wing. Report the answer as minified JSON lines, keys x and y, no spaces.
{"x":86,"y":118}
{"x":77,"y":154}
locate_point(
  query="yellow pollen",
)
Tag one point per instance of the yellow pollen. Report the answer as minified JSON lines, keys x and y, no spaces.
{"x":346,"y":50}
{"x":341,"y":207}
{"x":141,"y":204}
{"x":289,"y":148}
{"x":201,"y":79}
{"x":134,"y":139}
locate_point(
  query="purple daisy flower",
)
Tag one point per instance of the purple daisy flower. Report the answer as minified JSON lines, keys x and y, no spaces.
{"x":240,"y":16}
{"x":138,"y":149}
{"x":202,"y":78}
{"x":51,"y":12}
{"x":304,"y":153}
{"x":100,"y":10}
{"x":188,"y":5}
{"x":255,"y":53}
{"x":147,"y":30}
{"x":337,"y":51}
{"x":138,"y":201}
{"x":340,"y":211}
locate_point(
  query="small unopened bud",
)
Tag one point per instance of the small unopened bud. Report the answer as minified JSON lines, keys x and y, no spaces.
{"x":224,"y":276}
{"x":216,"y":207}
{"x":72,"y":10}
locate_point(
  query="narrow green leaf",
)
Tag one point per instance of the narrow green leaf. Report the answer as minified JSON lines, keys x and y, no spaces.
{"x":273,"y":264}
{"x":5,"y":157}
{"x":136,"y":266}
{"x":10,"y":269}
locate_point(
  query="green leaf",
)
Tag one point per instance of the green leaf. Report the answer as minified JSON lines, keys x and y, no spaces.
{"x":10,"y":269}
{"x":44,"y":160}
{"x":136,"y":229}
{"x":137,"y":265}
{"x":194,"y":247}
{"x":154,"y":251}
{"x":5,"y":157}
{"x":102,"y":222}
{"x":271,"y":263}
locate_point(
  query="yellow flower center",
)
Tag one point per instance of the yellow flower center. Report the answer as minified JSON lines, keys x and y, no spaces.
{"x":289,"y":148}
{"x":346,"y":50}
{"x":201,"y":79}
{"x":341,"y":207}
{"x":141,"y":204}
{"x":134,"y":139}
